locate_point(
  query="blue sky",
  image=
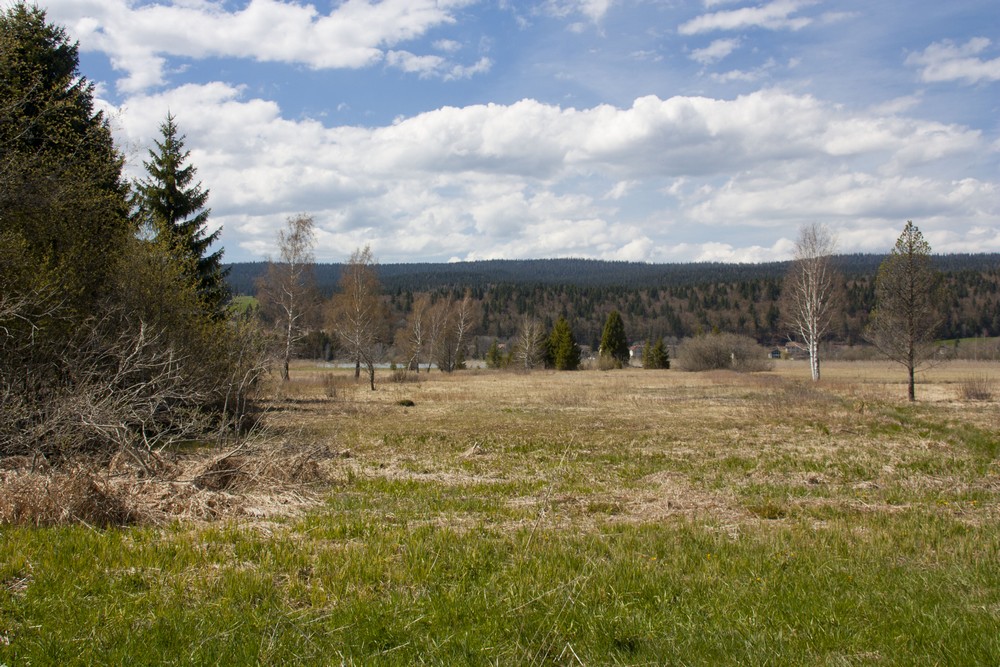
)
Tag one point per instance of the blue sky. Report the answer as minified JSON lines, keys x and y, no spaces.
{"x":659,"y":130}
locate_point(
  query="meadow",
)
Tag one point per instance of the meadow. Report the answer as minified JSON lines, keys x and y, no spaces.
{"x":578,"y":518}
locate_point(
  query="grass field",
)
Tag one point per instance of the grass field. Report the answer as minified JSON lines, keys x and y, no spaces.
{"x":588,"y":518}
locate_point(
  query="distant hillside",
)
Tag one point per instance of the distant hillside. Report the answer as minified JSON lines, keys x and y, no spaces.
{"x":584,"y":272}
{"x":673,"y":300}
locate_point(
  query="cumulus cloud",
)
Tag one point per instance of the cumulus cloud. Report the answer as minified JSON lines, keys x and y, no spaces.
{"x":531,"y":179}
{"x":352,"y":35}
{"x":776,"y":15}
{"x":947,"y":61}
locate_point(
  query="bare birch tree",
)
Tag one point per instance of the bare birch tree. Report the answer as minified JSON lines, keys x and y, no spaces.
{"x":288,"y":290}
{"x":529,"y":346}
{"x":454,"y":322}
{"x":412,"y":339}
{"x":811,"y":289}
{"x":358,"y":315}
{"x":906,"y":316}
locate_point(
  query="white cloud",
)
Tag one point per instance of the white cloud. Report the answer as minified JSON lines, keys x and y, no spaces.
{"x":619,"y":190}
{"x":947,"y":61}
{"x":747,"y":76}
{"x":354,"y":34}
{"x":524,"y":180}
{"x":775,"y":15}
{"x":410,"y":63}
{"x":715,"y":51}
{"x":447,"y":45}
{"x":594,"y":10}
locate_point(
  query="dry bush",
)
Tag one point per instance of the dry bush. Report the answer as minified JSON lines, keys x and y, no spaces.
{"x":76,"y":496}
{"x":978,"y":388}
{"x":722,"y":351}
{"x":401,"y":375}
{"x":606,"y":362}
{"x":262,"y":478}
{"x":329,"y":385}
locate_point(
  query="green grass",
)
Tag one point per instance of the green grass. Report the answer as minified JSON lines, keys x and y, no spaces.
{"x":914,"y":589}
{"x":695,"y":524}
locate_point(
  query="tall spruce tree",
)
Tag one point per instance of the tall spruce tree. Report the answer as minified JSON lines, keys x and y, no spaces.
{"x":614,"y":343}
{"x":562,"y":352}
{"x":172,"y":204}
{"x":63,"y":201}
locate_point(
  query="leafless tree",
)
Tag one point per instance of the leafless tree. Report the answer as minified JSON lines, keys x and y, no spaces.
{"x":412,"y":340}
{"x":529,"y":345}
{"x":906,"y":315}
{"x":287,"y":291}
{"x":358,"y":315}
{"x":811,"y":289}
{"x":453,"y":322}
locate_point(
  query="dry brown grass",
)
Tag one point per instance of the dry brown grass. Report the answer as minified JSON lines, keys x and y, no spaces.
{"x":629,"y":445}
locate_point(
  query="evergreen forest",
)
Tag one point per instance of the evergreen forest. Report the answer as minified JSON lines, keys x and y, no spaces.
{"x":662,"y":300}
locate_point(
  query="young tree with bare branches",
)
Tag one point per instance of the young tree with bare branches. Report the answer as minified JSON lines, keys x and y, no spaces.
{"x":287,"y":291}
{"x":412,"y":339}
{"x":453,"y":324}
{"x":906,"y":315}
{"x":811,"y":289}
{"x":357,"y":313}
{"x":529,"y":346}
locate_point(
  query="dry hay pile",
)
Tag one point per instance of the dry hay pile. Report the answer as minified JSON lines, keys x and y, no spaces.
{"x":260,"y":481}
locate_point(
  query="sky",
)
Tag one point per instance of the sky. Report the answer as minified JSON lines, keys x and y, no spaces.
{"x":641,"y":130}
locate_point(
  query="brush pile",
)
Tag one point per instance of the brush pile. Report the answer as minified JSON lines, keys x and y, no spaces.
{"x":259,"y":480}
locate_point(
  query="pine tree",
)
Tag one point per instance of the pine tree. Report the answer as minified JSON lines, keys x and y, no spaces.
{"x":494,"y":357}
{"x":63,"y":201}
{"x":562,"y":352}
{"x":655,"y":355}
{"x":173,"y":206}
{"x":614,"y":343}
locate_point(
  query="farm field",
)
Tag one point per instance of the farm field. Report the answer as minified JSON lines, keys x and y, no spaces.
{"x":578,"y":518}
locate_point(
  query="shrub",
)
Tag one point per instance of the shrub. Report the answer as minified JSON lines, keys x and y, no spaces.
{"x":722,"y":351}
{"x":979,"y":388}
{"x":607,"y":362}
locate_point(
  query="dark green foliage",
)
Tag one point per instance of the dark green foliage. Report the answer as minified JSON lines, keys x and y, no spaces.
{"x":561,"y":351}
{"x":104,"y":339}
{"x":614,"y":343}
{"x":655,"y":355}
{"x":494,"y":357}
{"x":172,"y":205}
{"x":62,"y":196}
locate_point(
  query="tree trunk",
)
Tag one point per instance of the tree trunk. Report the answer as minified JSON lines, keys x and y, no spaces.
{"x":814,"y":359}
{"x":913,"y":393}
{"x":288,"y":351}
{"x":371,"y":375}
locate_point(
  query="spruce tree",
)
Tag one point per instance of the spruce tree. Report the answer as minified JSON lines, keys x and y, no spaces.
{"x":173,"y":206}
{"x":614,"y":343}
{"x":63,"y":201}
{"x":562,"y":352}
{"x":655,"y":355}
{"x":494,"y":357}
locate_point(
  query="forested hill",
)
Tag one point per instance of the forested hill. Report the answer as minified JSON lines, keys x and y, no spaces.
{"x":585,"y":272}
